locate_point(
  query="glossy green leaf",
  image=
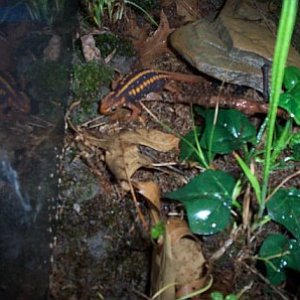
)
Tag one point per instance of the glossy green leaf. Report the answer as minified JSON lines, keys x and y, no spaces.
{"x":284,"y":208}
{"x":290,"y":101}
{"x":293,"y":259}
{"x":291,"y":77}
{"x":279,"y":253}
{"x":295,"y":146}
{"x":232,"y":130}
{"x":207,"y":199}
{"x":188,"y":147}
{"x":295,"y":139}
{"x":296,"y":152}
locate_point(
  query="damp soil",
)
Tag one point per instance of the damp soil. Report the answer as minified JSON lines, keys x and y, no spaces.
{"x":102,"y":251}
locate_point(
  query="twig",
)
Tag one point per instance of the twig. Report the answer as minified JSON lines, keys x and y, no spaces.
{"x":140,"y":214}
{"x":282,"y":183}
{"x":265,"y":280}
{"x":220,"y":252}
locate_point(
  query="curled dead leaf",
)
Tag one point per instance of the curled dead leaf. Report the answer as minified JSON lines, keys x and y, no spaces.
{"x":178,"y":262}
{"x":151,"y":191}
{"x":123,"y":156}
{"x":154,"y":139}
{"x":137,"y":35}
{"x":123,"y":159}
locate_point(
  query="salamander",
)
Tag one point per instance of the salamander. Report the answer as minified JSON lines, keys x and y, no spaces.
{"x":131,"y":88}
{"x":12,"y":99}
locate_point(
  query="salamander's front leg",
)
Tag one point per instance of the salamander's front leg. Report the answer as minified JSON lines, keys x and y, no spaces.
{"x":136,"y":110}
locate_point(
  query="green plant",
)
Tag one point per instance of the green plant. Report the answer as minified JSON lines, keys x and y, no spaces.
{"x":286,"y":25}
{"x":210,"y":197}
{"x":108,"y":42}
{"x":220,"y":296}
{"x":47,"y":11}
{"x":157,"y":230}
{"x":115,"y":10}
{"x":87,"y":77}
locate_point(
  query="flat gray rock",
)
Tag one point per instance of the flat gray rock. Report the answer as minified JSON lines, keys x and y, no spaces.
{"x":233,"y":48}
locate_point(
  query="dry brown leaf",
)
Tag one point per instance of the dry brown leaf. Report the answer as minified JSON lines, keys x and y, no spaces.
{"x":123,"y":159}
{"x":137,"y":35}
{"x":122,"y":155}
{"x":154,"y":139}
{"x":151,"y":191}
{"x":156,"y":44}
{"x":187,"y":9}
{"x":179,"y":260}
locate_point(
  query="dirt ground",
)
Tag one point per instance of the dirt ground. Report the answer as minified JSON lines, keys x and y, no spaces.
{"x":102,"y":249}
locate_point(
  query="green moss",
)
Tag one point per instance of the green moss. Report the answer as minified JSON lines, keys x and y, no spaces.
{"x":87,"y":79}
{"x":108,"y":42}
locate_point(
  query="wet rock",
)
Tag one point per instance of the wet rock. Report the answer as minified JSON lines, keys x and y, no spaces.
{"x":233,"y":48}
{"x":82,"y":185}
{"x":98,"y":245}
{"x":53,"y":50}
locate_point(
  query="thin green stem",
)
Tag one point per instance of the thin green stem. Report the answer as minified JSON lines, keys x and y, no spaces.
{"x":143,"y":11}
{"x":286,"y":25}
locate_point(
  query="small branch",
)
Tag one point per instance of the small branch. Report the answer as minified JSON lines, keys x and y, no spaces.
{"x":265,"y":280}
{"x":249,"y":107}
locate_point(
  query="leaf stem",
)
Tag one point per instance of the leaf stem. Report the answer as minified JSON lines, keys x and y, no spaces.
{"x":286,"y":25}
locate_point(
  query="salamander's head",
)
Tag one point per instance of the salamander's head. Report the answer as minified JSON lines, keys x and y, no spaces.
{"x":111,"y":104}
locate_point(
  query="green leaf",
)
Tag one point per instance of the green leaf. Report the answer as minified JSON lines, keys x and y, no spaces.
{"x":279,"y":253}
{"x":231,"y":131}
{"x":293,"y":260}
{"x":208,"y":200}
{"x":296,"y":152}
{"x":284,"y":208}
{"x":216,"y":296}
{"x":231,"y":297}
{"x":188,"y":147}
{"x":281,"y":140}
{"x":295,"y":139}
{"x":291,"y":77}
{"x":251,"y":177}
{"x":295,"y":146}
{"x":282,"y":45}
{"x":290,"y":101}
{"x":157,"y":230}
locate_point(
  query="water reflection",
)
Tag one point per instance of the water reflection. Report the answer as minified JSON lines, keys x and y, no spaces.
{"x":10,"y":176}
{"x":34,"y":77}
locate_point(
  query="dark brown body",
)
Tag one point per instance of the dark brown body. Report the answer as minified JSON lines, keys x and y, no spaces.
{"x":130,"y":90}
{"x":12,"y":99}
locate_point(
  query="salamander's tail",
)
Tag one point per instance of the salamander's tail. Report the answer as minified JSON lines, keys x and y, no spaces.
{"x":183,"y":77}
